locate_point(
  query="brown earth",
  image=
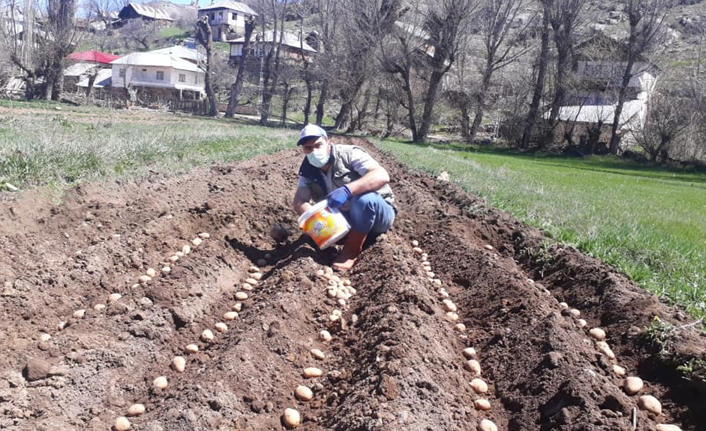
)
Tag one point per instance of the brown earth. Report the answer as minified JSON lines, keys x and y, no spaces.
{"x":394,"y":363}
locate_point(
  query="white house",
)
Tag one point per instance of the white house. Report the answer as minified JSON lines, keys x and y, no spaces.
{"x":600,"y":65}
{"x":259,"y":46}
{"x":189,"y":54}
{"x":227,"y":18}
{"x":148,"y":70}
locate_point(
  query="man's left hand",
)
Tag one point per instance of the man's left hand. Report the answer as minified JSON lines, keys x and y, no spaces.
{"x":338,"y":197}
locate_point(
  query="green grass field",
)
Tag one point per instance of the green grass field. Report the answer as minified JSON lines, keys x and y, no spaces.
{"x":40,"y":145}
{"x":649,"y":222}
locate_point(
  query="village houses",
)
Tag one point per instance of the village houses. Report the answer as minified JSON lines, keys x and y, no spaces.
{"x":227,"y":18}
{"x":590,"y":106}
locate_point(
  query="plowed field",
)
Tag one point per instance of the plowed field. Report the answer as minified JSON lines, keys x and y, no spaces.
{"x":396,"y":358}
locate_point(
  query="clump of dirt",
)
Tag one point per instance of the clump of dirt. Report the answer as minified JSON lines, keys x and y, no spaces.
{"x":395,"y":360}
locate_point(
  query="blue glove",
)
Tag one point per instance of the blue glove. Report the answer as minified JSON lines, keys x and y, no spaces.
{"x":338,"y":197}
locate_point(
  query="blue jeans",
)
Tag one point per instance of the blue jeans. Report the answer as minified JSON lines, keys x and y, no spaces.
{"x":370,"y":213}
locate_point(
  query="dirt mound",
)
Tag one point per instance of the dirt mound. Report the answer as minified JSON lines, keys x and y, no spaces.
{"x":396,"y":358}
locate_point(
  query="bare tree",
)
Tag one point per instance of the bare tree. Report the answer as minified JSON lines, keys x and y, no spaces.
{"x":138,"y":34}
{"x":364,"y":24}
{"x":666,"y":121}
{"x":645,"y":18}
{"x":445,"y":23}
{"x":496,"y":19}
{"x":276,"y":12}
{"x":565,"y":15}
{"x":326,"y":22}
{"x":306,"y":73}
{"x":404,"y":57}
{"x":205,"y":38}
{"x":543,"y":59}
{"x":237,"y":86}
{"x":55,"y":43}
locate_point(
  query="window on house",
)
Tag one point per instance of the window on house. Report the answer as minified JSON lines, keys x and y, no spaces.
{"x":235,"y":16}
{"x":220,"y":15}
{"x":213,"y":16}
{"x":160,"y":75}
{"x":121,"y":73}
{"x":182,"y":77}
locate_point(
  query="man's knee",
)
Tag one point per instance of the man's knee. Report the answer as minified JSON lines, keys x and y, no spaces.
{"x":368,"y":211}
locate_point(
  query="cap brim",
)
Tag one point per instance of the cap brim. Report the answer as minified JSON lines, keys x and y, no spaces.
{"x":306,"y":138}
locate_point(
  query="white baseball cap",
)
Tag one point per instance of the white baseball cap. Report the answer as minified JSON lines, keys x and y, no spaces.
{"x":311,"y":131}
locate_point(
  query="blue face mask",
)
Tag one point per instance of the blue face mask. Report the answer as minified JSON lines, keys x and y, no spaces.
{"x":319,"y":157}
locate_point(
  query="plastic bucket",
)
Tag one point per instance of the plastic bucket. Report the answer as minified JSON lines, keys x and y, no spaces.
{"x":324,"y":226}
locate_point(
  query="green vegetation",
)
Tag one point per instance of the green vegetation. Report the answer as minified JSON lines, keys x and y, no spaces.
{"x":174,"y":33}
{"x":43,"y":146}
{"x":647,"y":221}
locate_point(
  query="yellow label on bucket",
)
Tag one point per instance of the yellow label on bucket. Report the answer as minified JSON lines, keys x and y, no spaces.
{"x":321,"y":226}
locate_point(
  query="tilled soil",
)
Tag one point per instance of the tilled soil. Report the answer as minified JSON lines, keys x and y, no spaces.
{"x":395,"y":360}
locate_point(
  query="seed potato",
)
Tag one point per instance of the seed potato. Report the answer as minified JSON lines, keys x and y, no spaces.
{"x":473,"y":366}
{"x":633,"y":385}
{"x":597,"y":334}
{"x":160,"y":382}
{"x":479,"y":386}
{"x":207,"y":335}
{"x":221,"y":327}
{"x":179,"y":364}
{"x":318,"y":354}
{"x":650,"y":404}
{"x":230,"y":315}
{"x":482,"y":404}
{"x":192,"y":348}
{"x":122,"y":424}
{"x":469,"y":352}
{"x":486,"y":425}
{"x":325,"y":335}
{"x":136,"y":410}
{"x":303,"y":393}
{"x":291,"y":418}
{"x":312,"y":372}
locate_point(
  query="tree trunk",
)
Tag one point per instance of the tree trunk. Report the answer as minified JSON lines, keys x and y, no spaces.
{"x":273,"y":71}
{"x":320,"y":105}
{"x":480,"y":99}
{"x":343,"y":115}
{"x":465,"y":122}
{"x":205,"y":37}
{"x":622,"y":95}
{"x":29,"y":87}
{"x":541,"y":72}
{"x":91,"y":81}
{"x":363,"y":112}
{"x":434,"y":82}
{"x":410,"y":107}
{"x":377,"y":104}
{"x":307,"y":103}
{"x":58,"y":85}
{"x":286,"y":96}
{"x":237,"y":86}
{"x":562,"y":66}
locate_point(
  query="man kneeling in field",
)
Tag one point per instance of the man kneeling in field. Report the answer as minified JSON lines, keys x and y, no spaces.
{"x":352,"y":182}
